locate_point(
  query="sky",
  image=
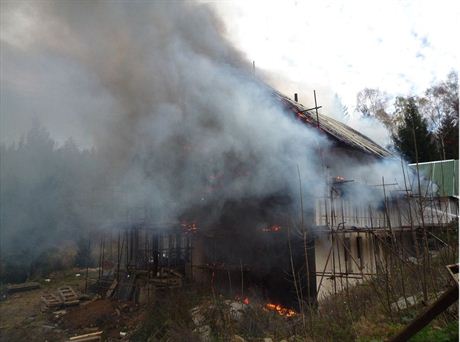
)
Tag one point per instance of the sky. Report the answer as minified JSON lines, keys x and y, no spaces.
{"x":335,"y":47}
{"x":397,"y":46}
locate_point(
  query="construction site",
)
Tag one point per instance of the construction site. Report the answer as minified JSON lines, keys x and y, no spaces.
{"x":157,"y":186}
{"x":272,"y":254}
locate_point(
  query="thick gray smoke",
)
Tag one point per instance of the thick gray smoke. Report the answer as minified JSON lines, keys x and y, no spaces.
{"x":178,"y":121}
{"x":187,"y":113}
{"x":188,"y":123}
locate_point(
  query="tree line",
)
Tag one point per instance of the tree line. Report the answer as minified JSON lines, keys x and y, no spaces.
{"x":48,"y":201}
{"x":423,"y":128}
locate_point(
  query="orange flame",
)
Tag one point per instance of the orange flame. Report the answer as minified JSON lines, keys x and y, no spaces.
{"x":280,"y":310}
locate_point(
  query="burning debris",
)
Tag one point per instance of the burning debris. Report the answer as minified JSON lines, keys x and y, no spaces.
{"x":280,"y":310}
{"x":193,"y":134}
{"x":243,"y":300}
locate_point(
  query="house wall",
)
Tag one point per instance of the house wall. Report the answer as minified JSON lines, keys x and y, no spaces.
{"x":264,"y":272}
{"x":344,"y":259}
{"x":236,"y":251}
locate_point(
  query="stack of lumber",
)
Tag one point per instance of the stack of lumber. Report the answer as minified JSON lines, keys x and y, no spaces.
{"x":22,"y":287}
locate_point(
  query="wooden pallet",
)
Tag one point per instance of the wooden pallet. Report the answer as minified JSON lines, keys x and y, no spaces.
{"x":68,"y":295}
{"x":51,"y":300}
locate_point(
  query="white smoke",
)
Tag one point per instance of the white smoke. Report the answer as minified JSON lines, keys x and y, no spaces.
{"x":188,"y":121}
{"x":176,"y":117}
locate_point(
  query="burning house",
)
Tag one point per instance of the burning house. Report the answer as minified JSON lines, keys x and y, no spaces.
{"x":282,"y":249}
{"x":242,"y":181}
{"x":267,"y":245}
{"x":354,"y":237}
{"x":189,"y":169}
{"x":337,"y":242}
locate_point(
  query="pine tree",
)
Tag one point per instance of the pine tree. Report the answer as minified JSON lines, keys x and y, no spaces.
{"x":412,"y":136}
{"x":448,"y":133}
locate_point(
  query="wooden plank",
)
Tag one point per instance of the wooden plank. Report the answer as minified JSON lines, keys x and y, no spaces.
{"x":95,"y":336}
{"x":92,"y":338}
{"x":22,"y":287}
{"x":453,"y":271}
{"x":111,"y":289}
{"x":170,"y":282}
{"x":177,"y":274}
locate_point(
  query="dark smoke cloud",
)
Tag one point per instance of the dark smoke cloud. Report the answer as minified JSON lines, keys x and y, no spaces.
{"x":172,"y":111}
{"x":171,"y":108}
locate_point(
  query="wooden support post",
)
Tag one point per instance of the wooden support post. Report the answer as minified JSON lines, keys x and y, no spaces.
{"x":88,"y":258}
{"x":103,"y":258}
{"x":100,"y":260}
{"x":316,"y":108}
{"x":128,"y":241}
{"x":446,"y":300}
{"x":118,"y":257}
{"x":155,"y":248}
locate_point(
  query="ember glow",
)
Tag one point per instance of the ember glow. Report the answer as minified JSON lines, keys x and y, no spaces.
{"x":244,"y":300}
{"x":280,"y":310}
{"x":189,"y":227}
{"x":273,"y":228}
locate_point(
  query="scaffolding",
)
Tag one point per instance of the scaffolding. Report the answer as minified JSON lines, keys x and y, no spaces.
{"x":356,"y":243}
{"x":143,"y":255}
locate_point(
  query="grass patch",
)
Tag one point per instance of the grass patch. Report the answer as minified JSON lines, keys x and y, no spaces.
{"x":448,"y":333}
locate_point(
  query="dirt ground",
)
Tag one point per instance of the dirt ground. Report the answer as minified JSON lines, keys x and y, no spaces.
{"x":113,"y":317}
{"x":22,"y":318}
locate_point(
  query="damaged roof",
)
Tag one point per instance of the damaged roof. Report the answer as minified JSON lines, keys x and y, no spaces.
{"x":334,"y":128}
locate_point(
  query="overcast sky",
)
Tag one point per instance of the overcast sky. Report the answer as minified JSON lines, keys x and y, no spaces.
{"x":398,"y":46}
{"x":336,"y":47}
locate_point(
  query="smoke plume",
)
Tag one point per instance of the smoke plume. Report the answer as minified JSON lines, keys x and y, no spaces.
{"x":185,"y":121}
{"x":173,"y":114}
